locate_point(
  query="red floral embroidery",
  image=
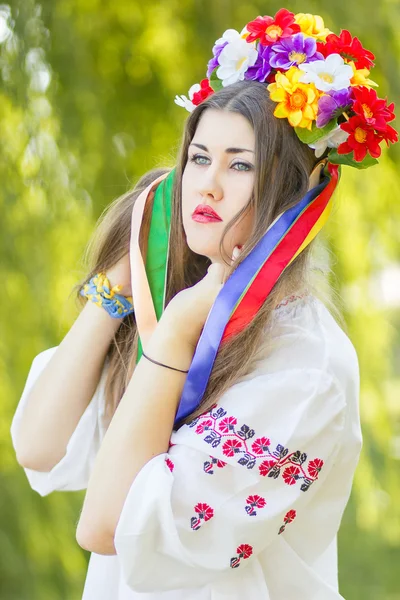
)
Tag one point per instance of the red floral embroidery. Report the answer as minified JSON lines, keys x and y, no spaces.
{"x":290,"y":475}
{"x":315,"y":466}
{"x":260,"y":446}
{"x":243,"y":551}
{"x":204,"y":426}
{"x":208,"y":466}
{"x":265,"y":466}
{"x":254,"y":502}
{"x":170,"y":464}
{"x":289,"y":517}
{"x":231,"y":447}
{"x":228,"y":424}
{"x":205,"y":513}
{"x":216,"y":427}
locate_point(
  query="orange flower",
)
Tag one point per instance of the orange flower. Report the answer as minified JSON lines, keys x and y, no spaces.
{"x":298,"y":102}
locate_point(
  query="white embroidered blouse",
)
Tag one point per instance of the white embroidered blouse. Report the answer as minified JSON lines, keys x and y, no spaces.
{"x":248,"y":500}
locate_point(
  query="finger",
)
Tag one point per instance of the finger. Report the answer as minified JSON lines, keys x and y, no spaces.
{"x":236,"y":252}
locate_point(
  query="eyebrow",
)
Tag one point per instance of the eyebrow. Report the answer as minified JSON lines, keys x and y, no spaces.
{"x":228,"y":150}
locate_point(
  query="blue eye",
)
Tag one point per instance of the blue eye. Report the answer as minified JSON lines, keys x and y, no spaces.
{"x":194,"y":158}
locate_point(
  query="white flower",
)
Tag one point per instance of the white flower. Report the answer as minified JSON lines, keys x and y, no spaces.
{"x":329,"y":74}
{"x":230,"y":35}
{"x":239,"y":47}
{"x":332,"y":140}
{"x":236,"y":57}
{"x":187,"y":102}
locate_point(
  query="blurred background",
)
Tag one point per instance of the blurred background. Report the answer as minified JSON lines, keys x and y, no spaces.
{"x":87,"y":106}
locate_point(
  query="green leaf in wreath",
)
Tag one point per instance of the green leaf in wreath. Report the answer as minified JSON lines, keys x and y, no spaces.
{"x":316,"y":133}
{"x":215,"y":83}
{"x":348,"y":159}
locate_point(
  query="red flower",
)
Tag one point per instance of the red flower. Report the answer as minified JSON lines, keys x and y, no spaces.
{"x":390,"y":135}
{"x":266,"y":466}
{"x":205,"y":91}
{"x":348,"y":47}
{"x":245,"y":550}
{"x":290,"y":516}
{"x":231,"y":447}
{"x":270,"y":30}
{"x":315,"y":467}
{"x":290,"y":475}
{"x":170,"y":464}
{"x":227,"y":424}
{"x":256,"y":500}
{"x":204,"y":511}
{"x":362,"y":139}
{"x":217,"y":461}
{"x":260,"y":446}
{"x":204,"y":425}
{"x":372,"y":109}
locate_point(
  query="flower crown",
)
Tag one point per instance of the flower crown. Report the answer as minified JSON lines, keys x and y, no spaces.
{"x":318,"y":79}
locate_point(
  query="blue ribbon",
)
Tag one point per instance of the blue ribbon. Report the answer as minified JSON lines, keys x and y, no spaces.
{"x":224,"y":304}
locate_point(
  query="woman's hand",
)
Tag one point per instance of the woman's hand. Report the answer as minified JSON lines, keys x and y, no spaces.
{"x":188,"y":310}
{"x":120,"y":274}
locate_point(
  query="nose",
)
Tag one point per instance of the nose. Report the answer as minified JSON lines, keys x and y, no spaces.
{"x":210,"y":188}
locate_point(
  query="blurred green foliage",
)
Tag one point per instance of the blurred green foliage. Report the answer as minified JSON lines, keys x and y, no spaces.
{"x":86,"y":106}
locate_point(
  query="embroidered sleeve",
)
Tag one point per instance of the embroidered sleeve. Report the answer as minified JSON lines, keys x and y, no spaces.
{"x":232,"y":481}
{"x":72,"y":472}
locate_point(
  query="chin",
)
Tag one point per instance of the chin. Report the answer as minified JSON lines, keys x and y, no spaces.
{"x":203,"y":240}
{"x":202,"y":249}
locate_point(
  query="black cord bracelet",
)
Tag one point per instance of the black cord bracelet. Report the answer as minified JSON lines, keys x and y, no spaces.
{"x":161,"y":364}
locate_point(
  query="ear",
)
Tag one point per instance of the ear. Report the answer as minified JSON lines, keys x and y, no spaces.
{"x":316,"y":174}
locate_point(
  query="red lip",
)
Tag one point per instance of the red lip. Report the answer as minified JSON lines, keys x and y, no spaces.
{"x":206,"y":212}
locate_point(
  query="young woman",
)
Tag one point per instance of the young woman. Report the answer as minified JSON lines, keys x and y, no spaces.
{"x":215,"y":467}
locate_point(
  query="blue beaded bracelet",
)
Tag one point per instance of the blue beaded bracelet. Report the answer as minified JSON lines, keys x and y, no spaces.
{"x":98,"y":291}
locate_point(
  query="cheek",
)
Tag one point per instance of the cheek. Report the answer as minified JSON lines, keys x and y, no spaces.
{"x":245,"y":226}
{"x":187,"y":191}
{"x":241,"y":231}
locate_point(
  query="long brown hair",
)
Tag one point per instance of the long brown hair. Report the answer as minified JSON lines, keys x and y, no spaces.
{"x":282,"y":168}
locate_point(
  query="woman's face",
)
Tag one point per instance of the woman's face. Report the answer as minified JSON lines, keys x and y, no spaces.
{"x":219,"y":173}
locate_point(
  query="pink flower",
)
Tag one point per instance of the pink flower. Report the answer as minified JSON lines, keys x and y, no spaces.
{"x":204,"y":511}
{"x":204,"y":425}
{"x":170,"y":464}
{"x":227,"y":424}
{"x":257,"y":501}
{"x":260,"y":445}
{"x":231,"y":447}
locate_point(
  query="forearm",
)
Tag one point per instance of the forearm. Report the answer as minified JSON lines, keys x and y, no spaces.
{"x":141,"y":429}
{"x":62,"y":392}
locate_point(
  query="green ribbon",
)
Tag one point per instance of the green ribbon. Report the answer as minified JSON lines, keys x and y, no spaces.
{"x":157,"y":247}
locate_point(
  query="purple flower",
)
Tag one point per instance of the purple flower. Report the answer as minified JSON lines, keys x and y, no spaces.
{"x":294,"y":51}
{"x":332,"y":105}
{"x":213,"y":62}
{"x":261,"y":68}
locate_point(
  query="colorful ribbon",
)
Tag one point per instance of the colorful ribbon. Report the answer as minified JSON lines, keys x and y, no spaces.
{"x":251,"y":282}
{"x":242,"y":294}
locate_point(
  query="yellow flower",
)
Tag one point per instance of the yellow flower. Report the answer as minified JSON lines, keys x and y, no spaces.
{"x":298,"y":102}
{"x":312,"y":25}
{"x":360,"y":77}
